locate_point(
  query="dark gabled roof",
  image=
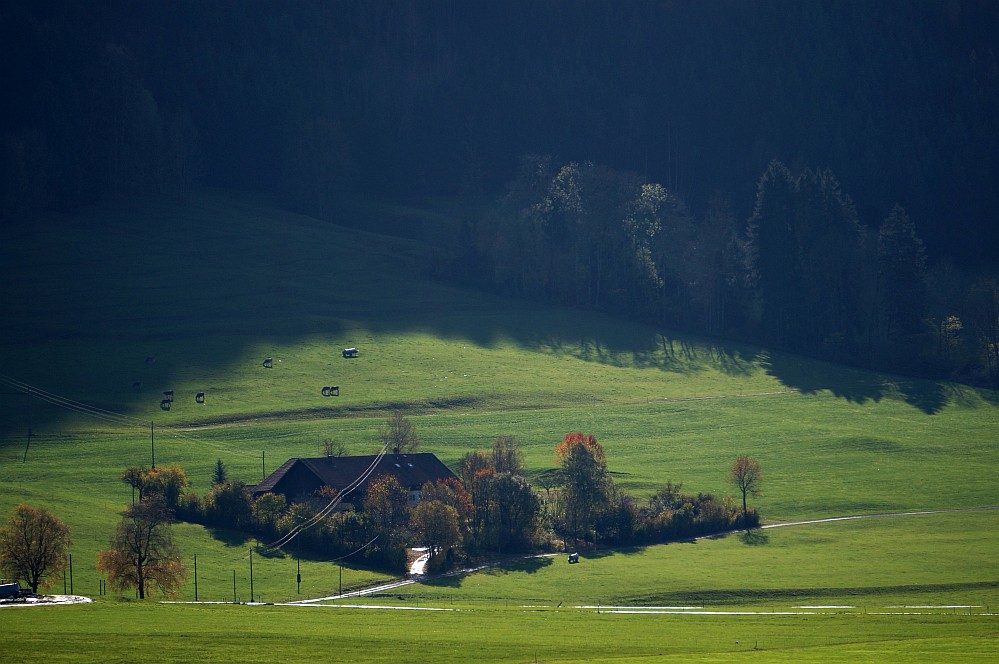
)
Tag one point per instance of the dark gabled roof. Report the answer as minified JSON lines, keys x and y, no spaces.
{"x":274,"y":478}
{"x":412,"y":470}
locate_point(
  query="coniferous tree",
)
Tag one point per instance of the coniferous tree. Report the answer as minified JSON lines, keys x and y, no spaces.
{"x":219,"y":473}
{"x":983,"y":319}
{"x":829,"y":244}
{"x":773,"y":255}
{"x":902,"y":285}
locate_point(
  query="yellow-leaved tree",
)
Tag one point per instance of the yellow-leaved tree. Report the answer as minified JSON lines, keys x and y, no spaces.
{"x":33,"y":545}
{"x":142,"y":554}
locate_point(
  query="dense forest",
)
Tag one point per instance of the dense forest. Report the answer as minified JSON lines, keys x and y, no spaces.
{"x":818,"y":175}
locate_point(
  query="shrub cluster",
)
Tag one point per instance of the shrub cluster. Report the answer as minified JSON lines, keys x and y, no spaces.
{"x":489,"y":508}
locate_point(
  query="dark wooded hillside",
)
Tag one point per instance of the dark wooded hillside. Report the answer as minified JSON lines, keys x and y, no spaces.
{"x":315,"y":101}
{"x":899,"y":99}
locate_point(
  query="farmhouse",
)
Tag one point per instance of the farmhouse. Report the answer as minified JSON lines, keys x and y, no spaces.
{"x":299,"y":479}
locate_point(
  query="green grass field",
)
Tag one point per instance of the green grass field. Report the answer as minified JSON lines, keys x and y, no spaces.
{"x":112,"y":306}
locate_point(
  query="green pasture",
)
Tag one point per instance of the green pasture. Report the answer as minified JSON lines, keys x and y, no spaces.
{"x":129,"y":631}
{"x":862,"y":565}
{"x":112,"y":306}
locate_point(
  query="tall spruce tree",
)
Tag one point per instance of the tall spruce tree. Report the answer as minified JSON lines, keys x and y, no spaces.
{"x":219,"y":474}
{"x":902,"y":285}
{"x":773,"y":255}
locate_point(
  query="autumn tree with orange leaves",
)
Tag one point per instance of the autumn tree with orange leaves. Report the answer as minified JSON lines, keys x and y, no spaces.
{"x":587,"y":488}
{"x":142,"y":554}
{"x":503,"y":508}
{"x":387,"y":502}
{"x":451,"y":491}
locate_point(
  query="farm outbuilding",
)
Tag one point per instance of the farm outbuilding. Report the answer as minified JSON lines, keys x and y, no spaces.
{"x":299,"y":479}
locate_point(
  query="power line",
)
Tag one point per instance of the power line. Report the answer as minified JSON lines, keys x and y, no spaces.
{"x":101,"y":413}
{"x":69,"y":404}
{"x":127,"y":420}
{"x":324,"y":512}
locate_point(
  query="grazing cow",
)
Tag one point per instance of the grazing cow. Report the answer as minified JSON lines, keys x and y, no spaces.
{"x":349,"y":352}
{"x":169,"y":395}
{"x":335,"y":391}
{"x":165,"y":404}
{"x":573,"y":558}
{"x":200,"y":397}
{"x":268,"y":362}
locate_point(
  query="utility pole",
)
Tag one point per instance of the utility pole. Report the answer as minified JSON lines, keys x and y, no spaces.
{"x":263,"y":465}
{"x":28,"y":443}
{"x":195,"y":577}
{"x":152,"y":442}
{"x":27,"y":395}
{"x":251,"y":573}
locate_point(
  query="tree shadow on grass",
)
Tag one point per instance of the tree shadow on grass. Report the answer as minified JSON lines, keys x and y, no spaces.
{"x":229,"y":537}
{"x":529,"y":565}
{"x":118,"y":348}
{"x":631,"y":346}
{"x":928,"y":396}
{"x":597,"y":553}
{"x":855,"y":385}
{"x":271,"y":554}
{"x":449,"y":581}
{"x":454,"y":579}
{"x":754,"y":537}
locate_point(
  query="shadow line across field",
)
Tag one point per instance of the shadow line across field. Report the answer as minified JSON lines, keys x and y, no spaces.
{"x":233,"y":274}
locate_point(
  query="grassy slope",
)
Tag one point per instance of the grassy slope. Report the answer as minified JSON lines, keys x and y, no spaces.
{"x":210,"y":284}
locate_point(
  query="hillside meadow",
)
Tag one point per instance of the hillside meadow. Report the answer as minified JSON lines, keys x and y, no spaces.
{"x":107,"y":309}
